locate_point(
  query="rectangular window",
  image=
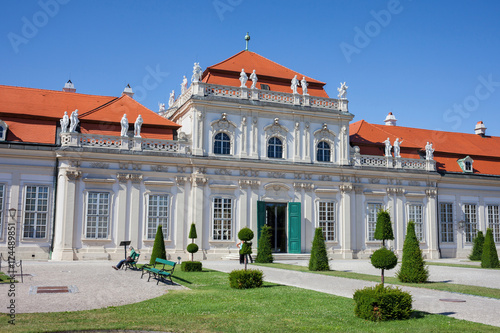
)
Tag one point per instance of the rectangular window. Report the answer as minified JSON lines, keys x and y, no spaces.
{"x":327,"y":220}
{"x":2,"y":194}
{"x":470,"y":215}
{"x":446,"y":222}
{"x":494,"y":222}
{"x":415,"y":215}
{"x":97,"y":215}
{"x":157,"y":215}
{"x":222,"y":218}
{"x":36,"y":210}
{"x":373,"y":209}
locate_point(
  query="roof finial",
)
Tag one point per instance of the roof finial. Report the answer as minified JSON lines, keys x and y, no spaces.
{"x":247,"y":38}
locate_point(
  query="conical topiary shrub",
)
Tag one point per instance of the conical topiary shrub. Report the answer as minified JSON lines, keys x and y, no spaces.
{"x":477,"y":247}
{"x":413,"y":268}
{"x":383,"y":228}
{"x":158,"y":247}
{"x":264,"y":251}
{"x":192,"y":232}
{"x":489,"y":257}
{"x":319,"y":259}
{"x":383,"y":258}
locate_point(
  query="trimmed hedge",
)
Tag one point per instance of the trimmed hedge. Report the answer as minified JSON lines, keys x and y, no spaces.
{"x":413,"y":269}
{"x":489,"y":257}
{"x":245,"y":279}
{"x":381,"y":303}
{"x":264,"y":251}
{"x":191,"y":266}
{"x":477,"y":248}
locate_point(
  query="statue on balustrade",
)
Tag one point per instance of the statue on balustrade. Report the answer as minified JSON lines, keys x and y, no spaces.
{"x":74,"y":121}
{"x":137,"y":126}
{"x":184,"y":85}
{"x":197,"y":73}
{"x":243,"y":78}
{"x":64,"y":123}
{"x":388,"y":147}
{"x":429,"y":152}
{"x":342,"y":90}
{"x":254,"y":79}
{"x":295,"y":84}
{"x":397,"y":150}
{"x":124,"y":123}
{"x":304,"y":85}
{"x":171,"y":100}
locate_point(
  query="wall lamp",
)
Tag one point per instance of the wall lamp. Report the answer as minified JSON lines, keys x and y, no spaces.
{"x":12,"y":212}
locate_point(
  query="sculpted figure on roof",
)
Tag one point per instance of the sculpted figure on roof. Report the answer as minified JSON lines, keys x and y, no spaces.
{"x":64,"y":122}
{"x":397,"y":150}
{"x":197,"y":72}
{"x":304,"y":85}
{"x":295,"y":84}
{"x":254,"y":79}
{"x":243,"y":78}
{"x":124,"y":123}
{"x":171,"y":100}
{"x":74,"y":121}
{"x":137,"y":126}
{"x":388,"y":147}
{"x":429,"y":151}
{"x":184,"y":85}
{"x":161,"y":107}
{"x":342,"y":90}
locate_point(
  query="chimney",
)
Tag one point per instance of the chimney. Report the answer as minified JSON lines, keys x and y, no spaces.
{"x":480,"y":129}
{"x":128,"y":91}
{"x":390,"y":120}
{"x":69,"y":87}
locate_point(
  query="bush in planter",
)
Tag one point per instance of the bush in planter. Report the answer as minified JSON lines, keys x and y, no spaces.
{"x":264,"y":251}
{"x":489,"y":257}
{"x":158,"y":247}
{"x":381,"y":303}
{"x":413,"y":268}
{"x":245,"y":279}
{"x":477,"y":248}
{"x":319,"y":259}
{"x":191,"y":266}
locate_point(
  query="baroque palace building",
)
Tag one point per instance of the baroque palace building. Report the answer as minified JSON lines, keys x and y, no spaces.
{"x":248,"y":143}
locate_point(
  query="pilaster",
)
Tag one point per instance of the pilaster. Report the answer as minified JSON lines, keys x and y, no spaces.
{"x":345,"y":233}
{"x":433,"y":229}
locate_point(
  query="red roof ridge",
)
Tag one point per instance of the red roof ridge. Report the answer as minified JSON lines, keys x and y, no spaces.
{"x":101,"y":106}
{"x":52,"y":91}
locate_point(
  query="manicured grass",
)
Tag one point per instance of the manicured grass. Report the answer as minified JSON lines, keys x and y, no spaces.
{"x":457,"y":265}
{"x":211,"y":306}
{"x":444,"y":286}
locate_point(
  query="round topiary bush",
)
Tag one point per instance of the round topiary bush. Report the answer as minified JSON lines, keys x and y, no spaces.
{"x":245,"y":234}
{"x":192,"y":248}
{"x":384,"y":259}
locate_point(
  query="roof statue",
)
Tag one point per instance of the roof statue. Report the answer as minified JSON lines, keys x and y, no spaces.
{"x":124,"y":123}
{"x":184,"y":85}
{"x":429,"y":152}
{"x":137,"y":126}
{"x":388,"y":147}
{"x":254,"y":79}
{"x":171,"y":99}
{"x":243,"y":78}
{"x":397,"y":150}
{"x":197,"y":73}
{"x":342,"y":90}
{"x":64,"y":123}
{"x":74,"y":121}
{"x":295,"y":84}
{"x":161,"y":107}
{"x":304,"y":85}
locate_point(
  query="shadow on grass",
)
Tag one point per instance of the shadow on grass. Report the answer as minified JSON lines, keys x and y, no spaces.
{"x":446,"y":313}
{"x":181,"y":279}
{"x":419,"y":314}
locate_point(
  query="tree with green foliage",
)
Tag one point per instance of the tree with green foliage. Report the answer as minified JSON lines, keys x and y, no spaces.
{"x":477,"y":247}
{"x":246,"y":235}
{"x":264,"y":251}
{"x":192,"y":248}
{"x":413,"y":267}
{"x":158,"y":247}
{"x":489,"y":257}
{"x":319,"y":259}
{"x":383,"y":258}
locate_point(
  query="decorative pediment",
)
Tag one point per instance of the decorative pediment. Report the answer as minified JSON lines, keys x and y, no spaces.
{"x":223,"y":124}
{"x":277,"y":192}
{"x":275,"y":129}
{"x":324,"y":134}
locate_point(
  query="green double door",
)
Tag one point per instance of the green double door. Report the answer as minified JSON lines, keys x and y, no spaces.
{"x":284,"y":220}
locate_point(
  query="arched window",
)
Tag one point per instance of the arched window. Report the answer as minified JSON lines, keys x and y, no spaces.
{"x":274,"y":148}
{"x":222,"y":144}
{"x":323,"y":152}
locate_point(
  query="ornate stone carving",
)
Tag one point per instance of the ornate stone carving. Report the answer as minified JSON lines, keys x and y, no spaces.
{"x":75,"y":163}
{"x":136,"y":166}
{"x":99,"y":165}
{"x":123,"y":165}
{"x":226,"y":172}
{"x":324,"y":134}
{"x":254,"y":184}
{"x":181,"y":169}
{"x":395,"y":190}
{"x":244,"y":172}
{"x":181,"y":180}
{"x":358,"y":189}
{"x":342,"y":90}
{"x":276,"y":174}
{"x":345,"y":178}
{"x":431,"y":192}
{"x":135,"y":177}
{"x":275,"y":129}
{"x":277,"y":191}
{"x":73,"y":174}
{"x":254,"y":173}
{"x":325,"y":178}
{"x":303,"y":186}
{"x":200,"y":181}
{"x":223,"y":124}
{"x":201,"y":170}
{"x":374,"y":180}
{"x":64,"y":122}
{"x":159,"y":168}
{"x":122,"y":177}
{"x":413,"y":183}
{"x":346,"y":188}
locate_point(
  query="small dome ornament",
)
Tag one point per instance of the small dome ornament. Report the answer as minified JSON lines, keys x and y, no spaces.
{"x":247,"y":39}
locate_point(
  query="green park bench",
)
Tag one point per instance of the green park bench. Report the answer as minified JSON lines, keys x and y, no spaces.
{"x":158,"y":270}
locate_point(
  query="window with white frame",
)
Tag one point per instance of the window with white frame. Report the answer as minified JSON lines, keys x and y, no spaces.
{"x":446,"y":222}
{"x":323,"y":152}
{"x":326,"y":217}
{"x":2,"y":194}
{"x":157,"y":215}
{"x":97,"y":224}
{"x":371,"y":219}
{"x":222,"y":144}
{"x":494,"y":222}
{"x":470,"y":216}
{"x":274,"y":148}
{"x":222,"y":219}
{"x":415,"y":215}
{"x":36,"y":211}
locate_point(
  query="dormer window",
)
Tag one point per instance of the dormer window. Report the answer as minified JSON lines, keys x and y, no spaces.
{"x":3,"y":130}
{"x":466,"y":164}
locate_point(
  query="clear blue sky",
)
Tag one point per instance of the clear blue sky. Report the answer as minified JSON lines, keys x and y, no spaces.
{"x":434,"y":64}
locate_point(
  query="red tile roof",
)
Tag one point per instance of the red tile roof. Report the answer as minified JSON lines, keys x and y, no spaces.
{"x":448,"y":146}
{"x":33,"y":114}
{"x":278,"y":77}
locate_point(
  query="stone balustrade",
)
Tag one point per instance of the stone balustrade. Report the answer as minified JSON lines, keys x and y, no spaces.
{"x":392,"y":162}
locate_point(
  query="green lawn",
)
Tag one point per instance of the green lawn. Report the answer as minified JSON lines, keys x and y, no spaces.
{"x":444,"y":286}
{"x":457,"y":265}
{"x":211,"y":306}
